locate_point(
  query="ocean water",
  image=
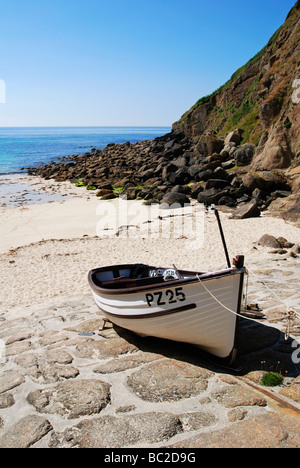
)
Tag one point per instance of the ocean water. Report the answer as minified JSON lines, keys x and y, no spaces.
{"x":30,"y":146}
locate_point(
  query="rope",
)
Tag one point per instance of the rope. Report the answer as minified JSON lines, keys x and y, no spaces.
{"x":290,"y":312}
{"x":224,"y":306}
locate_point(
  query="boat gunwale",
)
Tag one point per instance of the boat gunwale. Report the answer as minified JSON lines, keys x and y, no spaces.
{"x":163,"y":284}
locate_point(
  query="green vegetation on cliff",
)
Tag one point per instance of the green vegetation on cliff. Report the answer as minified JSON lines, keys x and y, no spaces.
{"x":253,"y":98}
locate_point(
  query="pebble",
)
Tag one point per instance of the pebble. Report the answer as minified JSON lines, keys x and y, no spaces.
{"x":68,"y":383}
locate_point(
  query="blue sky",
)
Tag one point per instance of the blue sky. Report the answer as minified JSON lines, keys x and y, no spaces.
{"x":123,"y":62}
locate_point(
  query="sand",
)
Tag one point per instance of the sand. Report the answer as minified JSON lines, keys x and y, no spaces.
{"x":47,"y":249}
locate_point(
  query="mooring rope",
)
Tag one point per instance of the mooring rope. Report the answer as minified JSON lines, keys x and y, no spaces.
{"x":222,"y":305}
{"x":291,"y":313}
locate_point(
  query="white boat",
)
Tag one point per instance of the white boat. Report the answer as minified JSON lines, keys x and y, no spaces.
{"x":198,"y":308}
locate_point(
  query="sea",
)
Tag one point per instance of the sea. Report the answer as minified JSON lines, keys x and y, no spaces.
{"x":22,"y":147}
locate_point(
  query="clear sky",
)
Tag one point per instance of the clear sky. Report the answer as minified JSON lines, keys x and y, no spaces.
{"x":123,"y":62}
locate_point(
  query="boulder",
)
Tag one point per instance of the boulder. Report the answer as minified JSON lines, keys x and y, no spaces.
{"x":181,"y":176}
{"x":269,"y":241}
{"x":246,"y":210}
{"x":228,"y":201}
{"x":244,"y":155}
{"x":209,"y":144}
{"x":216,"y":183}
{"x":268,"y":181}
{"x":220,"y":173}
{"x":194,"y":170}
{"x":173,"y":200}
{"x":293,"y":214}
{"x":209,"y":196}
{"x":233,"y":137}
{"x":204,"y":175}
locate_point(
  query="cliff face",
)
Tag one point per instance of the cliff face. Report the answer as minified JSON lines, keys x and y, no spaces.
{"x":262,"y":100}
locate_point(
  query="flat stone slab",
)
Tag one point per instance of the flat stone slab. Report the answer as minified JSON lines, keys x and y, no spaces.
{"x":65,"y":381}
{"x":72,"y":399}
{"x":26,"y":432}
{"x":272,"y":430}
{"x":168,"y":381}
{"x":118,"y":432}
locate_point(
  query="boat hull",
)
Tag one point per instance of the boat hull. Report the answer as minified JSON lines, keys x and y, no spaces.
{"x":199,"y":312}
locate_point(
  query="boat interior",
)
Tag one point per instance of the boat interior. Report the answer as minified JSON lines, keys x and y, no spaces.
{"x":136,"y":275}
{"x":140,"y":275}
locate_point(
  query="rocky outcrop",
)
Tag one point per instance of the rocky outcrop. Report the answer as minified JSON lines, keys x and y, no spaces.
{"x":262,"y":99}
{"x":172,"y":170}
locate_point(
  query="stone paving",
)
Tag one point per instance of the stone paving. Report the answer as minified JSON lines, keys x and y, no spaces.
{"x":67,"y":383}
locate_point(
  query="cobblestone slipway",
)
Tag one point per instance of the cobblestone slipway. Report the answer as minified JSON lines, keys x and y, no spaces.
{"x":65,"y":382}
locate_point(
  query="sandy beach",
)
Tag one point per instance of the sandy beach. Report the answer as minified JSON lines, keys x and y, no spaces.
{"x":47,"y":249}
{"x":56,"y":360}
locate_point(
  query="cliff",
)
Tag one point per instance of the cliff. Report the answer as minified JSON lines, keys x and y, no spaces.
{"x":261,"y":99}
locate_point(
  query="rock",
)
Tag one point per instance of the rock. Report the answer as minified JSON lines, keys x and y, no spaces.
{"x":233,"y":137}
{"x":246,"y":210}
{"x":269,"y":241}
{"x":18,"y":337}
{"x":292,"y":391}
{"x":181,"y":189}
{"x":236,"y":395}
{"x":6,"y":400}
{"x":26,"y":432}
{"x":197,"y":420}
{"x":204,"y":175}
{"x":72,"y":399}
{"x":228,"y":201}
{"x":216,"y":183}
{"x":194,"y":170}
{"x":220,"y":173}
{"x":10,"y":379}
{"x":168,"y":381}
{"x":104,"y":348}
{"x":268,"y":181}
{"x":181,"y":176}
{"x":17,"y":348}
{"x":104,"y":192}
{"x":209,"y":196}
{"x":209,"y":144}
{"x":167,"y":170}
{"x":272,"y":430}
{"x":228,"y":164}
{"x":236,"y":414}
{"x":174,"y":200}
{"x":196,"y":189}
{"x":58,"y":356}
{"x":127,"y":362}
{"x":182,"y":161}
{"x":244,"y":155}
{"x":122,"y":432}
{"x":293,"y":214}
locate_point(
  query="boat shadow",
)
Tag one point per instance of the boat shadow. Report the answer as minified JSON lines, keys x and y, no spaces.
{"x":261,"y":347}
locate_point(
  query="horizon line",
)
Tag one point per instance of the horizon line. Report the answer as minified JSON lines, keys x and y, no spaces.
{"x":86,"y":126}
